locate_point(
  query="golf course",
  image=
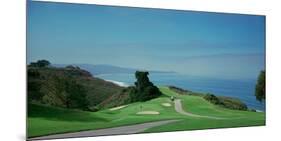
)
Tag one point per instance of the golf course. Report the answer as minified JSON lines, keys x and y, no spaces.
{"x":184,"y":112}
{"x":96,"y":70}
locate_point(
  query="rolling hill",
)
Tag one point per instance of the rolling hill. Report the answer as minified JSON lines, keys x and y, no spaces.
{"x":45,"y":120}
{"x":69,"y":99}
{"x":71,"y":86}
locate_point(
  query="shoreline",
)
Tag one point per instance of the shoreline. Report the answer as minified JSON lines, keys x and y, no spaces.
{"x":251,"y":104}
{"x":121,"y":84}
{"x":260,"y":111}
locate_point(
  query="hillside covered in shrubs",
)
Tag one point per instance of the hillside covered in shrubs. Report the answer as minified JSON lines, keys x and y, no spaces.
{"x":68,"y":87}
{"x":226,"y":102}
{"x":75,"y":88}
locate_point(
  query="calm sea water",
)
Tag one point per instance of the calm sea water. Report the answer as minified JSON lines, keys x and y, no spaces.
{"x":242,"y":89}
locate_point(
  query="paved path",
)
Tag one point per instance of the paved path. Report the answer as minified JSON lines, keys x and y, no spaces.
{"x":178,"y":108}
{"x":137,"y":128}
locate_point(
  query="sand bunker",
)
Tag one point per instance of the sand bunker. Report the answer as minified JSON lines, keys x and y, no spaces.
{"x":117,"y":108}
{"x":148,"y":113}
{"x":166,"y":104}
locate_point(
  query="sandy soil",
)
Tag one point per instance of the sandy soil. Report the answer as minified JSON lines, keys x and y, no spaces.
{"x":166,"y":104}
{"x":148,"y":113}
{"x":117,"y":108}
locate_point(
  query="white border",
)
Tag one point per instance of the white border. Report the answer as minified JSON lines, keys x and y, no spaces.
{"x":12,"y":71}
{"x":197,"y":5}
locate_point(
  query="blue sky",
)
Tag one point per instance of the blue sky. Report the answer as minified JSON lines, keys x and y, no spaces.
{"x":194,"y":43}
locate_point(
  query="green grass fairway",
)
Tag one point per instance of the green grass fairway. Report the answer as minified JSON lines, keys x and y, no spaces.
{"x":197,"y":105}
{"x":44,"y":120}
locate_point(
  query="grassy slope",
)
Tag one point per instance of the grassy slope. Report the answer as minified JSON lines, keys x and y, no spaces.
{"x":197,"y":105}
{"x":48,"y":120}
{"x":45,"y":120}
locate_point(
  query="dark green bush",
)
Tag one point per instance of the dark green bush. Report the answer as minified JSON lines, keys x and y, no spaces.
{"x":213,"y":99}
{"x":144,"y":89}
{"x":226,"y":102}
{"x":40,"y":63}
{"x":260,"y":87}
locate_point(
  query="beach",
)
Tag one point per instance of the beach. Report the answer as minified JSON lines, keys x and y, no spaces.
{"x":121,"y":84}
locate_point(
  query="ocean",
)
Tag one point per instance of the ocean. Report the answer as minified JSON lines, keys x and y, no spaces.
{"x":242,"y":89}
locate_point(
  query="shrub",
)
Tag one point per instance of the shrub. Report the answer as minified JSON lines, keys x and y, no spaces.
{"x":226,"y":102}
{"x":145,"y":89}
{"x":40,"y":63}
{"x":213,"y":99}
{"x":233,"y":103}
{"x":260,"y":87}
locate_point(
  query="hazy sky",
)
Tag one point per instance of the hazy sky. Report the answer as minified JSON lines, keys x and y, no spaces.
{"x":194,"y":43}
